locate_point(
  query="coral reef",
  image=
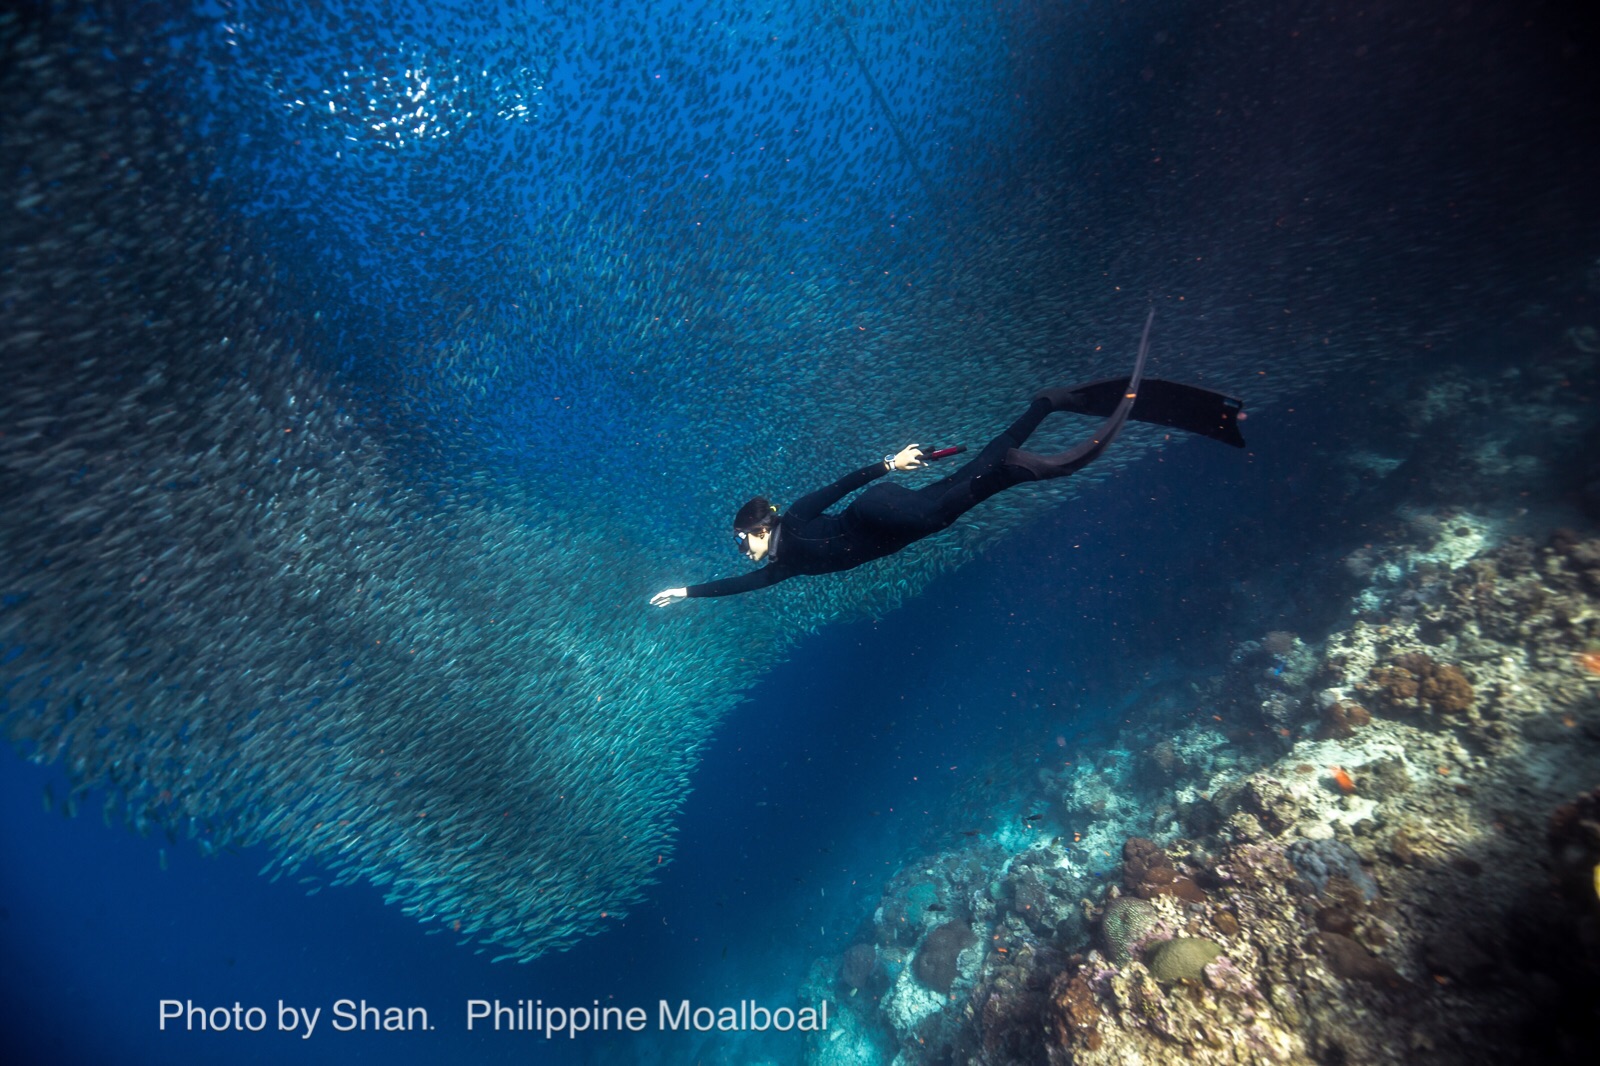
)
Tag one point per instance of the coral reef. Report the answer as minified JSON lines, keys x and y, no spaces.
{"x":1269,"y":915}
{"x":859,"y":966}
{"x":1415,"y":682}
{"x":1329,"y":852}
{"x":935,"y":964}
{"x":1352,"y":961}
{"x":1125,"y":925}
{"x":1147,"y":872}
{"x":1183,"y":958}
{"x":1323,"y":861}
{"x":1076,"y":1014}
{"x":1341,"y":719}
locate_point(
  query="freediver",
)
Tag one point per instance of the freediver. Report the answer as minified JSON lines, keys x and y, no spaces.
{"x":888,"y":517}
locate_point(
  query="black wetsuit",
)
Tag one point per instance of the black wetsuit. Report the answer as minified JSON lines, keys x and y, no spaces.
{"x":883,"y":519}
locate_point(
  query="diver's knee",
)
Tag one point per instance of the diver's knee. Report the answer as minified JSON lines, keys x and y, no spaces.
{"x":1065,"y":398}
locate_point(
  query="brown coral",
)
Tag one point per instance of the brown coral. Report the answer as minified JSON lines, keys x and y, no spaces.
{"x":1447,"y":690}
{"x":1148,"y":872}
{"x":1350,"y":960}
{"x":935,"y":963}
{"x":1075,"y":1017}
{"x":1416,"y":682}
{"x":858,"y":966}
{"x":1341,"y":720}
{"x":1397,"y":688}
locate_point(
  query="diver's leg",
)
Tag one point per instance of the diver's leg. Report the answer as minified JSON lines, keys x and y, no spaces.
{"x":994,"y":452}
{"x":1075,"y":459}
{"x":1020,"y":430}
{"x":1002,"y":464}
{"x":966,"y":493}
{"x":989,"y":473}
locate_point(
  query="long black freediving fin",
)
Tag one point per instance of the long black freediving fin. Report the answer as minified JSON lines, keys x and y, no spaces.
{"x":1165,"y":403}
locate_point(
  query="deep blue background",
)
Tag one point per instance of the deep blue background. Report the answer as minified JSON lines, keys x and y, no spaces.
{"x":844,"y":760}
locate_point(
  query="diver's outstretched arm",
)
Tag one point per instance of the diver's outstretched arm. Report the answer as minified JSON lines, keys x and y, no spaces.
{"x":666,"y":596}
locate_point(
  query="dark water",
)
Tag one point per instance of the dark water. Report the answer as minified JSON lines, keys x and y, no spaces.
{"x":600,"y":321}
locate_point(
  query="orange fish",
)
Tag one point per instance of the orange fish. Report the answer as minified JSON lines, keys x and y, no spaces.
{"x":1342,"y":778}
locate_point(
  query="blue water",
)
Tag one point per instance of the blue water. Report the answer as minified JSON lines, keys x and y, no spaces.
{"x":1320,"y":205}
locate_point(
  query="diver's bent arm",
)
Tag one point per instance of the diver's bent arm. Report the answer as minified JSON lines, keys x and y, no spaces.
{"x":811,"y":505}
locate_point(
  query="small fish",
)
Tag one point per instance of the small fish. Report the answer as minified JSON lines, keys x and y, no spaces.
{"x":1342,"y":778}
{"x":937,"y":908}
{"x":1033,"y":817}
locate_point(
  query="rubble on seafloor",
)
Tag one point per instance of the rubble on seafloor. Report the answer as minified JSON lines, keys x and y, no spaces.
{"x":1382,"y":847}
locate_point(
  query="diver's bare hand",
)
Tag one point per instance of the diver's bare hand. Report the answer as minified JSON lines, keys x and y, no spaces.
{"x":666,"y":596}
{"x":909,"y":458}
